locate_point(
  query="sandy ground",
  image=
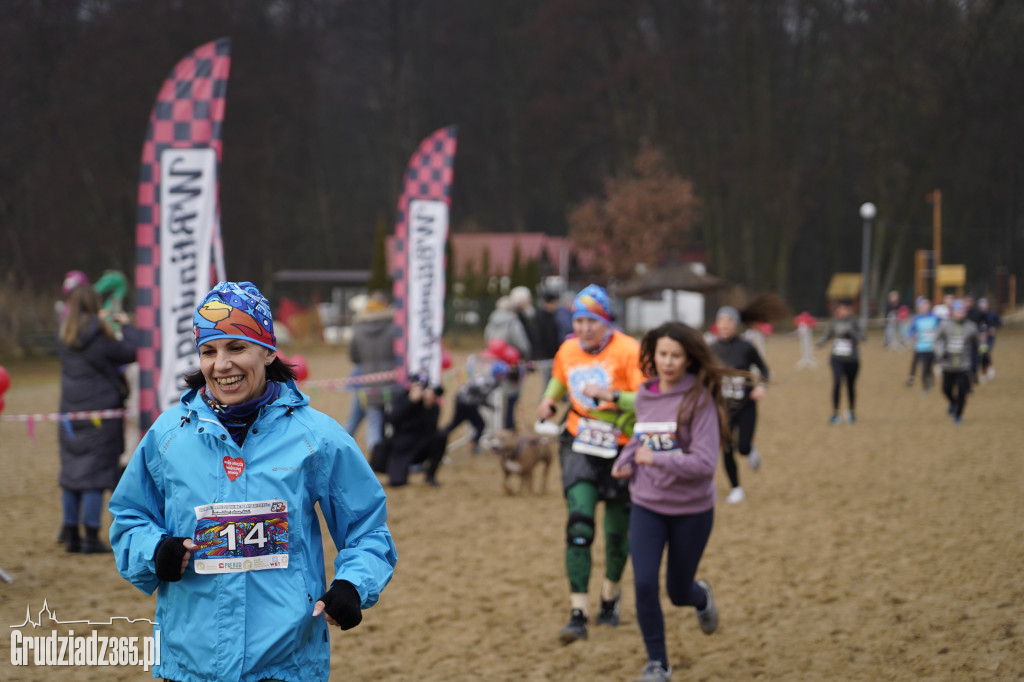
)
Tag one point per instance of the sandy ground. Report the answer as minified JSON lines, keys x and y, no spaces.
{"x":886,"y":550}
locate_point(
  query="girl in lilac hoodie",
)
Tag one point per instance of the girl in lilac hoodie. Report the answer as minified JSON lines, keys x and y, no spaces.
{"x":670,"y":461}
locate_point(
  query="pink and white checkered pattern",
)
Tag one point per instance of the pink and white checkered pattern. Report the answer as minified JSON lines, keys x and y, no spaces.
{"x":428,"y":177}
{"x":188,"y":113}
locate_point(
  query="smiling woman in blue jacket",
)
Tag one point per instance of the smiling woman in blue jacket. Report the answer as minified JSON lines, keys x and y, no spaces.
{"x":216,"y":512}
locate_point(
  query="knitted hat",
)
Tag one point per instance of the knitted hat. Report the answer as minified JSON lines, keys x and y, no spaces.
{"x":729,"y":311}
{"x":235,"y":310}
{"x":72,"y":280}
{"x":592,"y":302}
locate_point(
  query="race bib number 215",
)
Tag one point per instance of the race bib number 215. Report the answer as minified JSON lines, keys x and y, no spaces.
{"x":658,"y":436}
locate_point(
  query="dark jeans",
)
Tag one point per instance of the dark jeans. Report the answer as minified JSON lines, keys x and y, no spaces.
{"x":88,"y":503}
{"x":741,"y":425}
{"x":847,"y":370}
{"x":686,"y":537}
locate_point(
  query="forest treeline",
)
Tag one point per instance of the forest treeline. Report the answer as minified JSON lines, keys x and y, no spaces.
{"x":784,"y":115}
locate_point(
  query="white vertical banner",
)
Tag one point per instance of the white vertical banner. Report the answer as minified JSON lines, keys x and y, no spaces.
{"x":428,"y":233}
{"x":188,"y":223}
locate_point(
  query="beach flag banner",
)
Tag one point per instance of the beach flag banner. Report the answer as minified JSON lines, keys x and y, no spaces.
{"x":178,"y":244}
{"x":417,"y":273}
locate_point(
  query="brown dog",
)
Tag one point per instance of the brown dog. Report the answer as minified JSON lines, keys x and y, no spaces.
{"x":519,"y":454}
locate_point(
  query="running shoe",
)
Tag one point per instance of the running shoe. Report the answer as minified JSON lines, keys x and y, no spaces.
{"x":609,"y":614}
{"x":951,"y":409}
{"x":754,"y":459}
{"x":850,"y":419}
{"x":708,"y":616}
{"x":736,"y":495}
{"x":654,"y":671}
{"x":836,"y":419}
{"x":576,"y":628}
{"x":958,"y":420}
{"x":910,"y":381}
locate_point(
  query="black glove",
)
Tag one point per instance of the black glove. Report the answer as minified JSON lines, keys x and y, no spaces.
{"x":168,"y":556}
{"x":341,"y":603}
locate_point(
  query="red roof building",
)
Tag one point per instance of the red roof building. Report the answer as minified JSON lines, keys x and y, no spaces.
{"x":555,"y":255}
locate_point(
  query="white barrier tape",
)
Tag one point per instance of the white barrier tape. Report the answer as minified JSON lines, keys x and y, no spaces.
{"x":117,"y":414}
{"x":63,"y":416}
{"x":355,"y":381}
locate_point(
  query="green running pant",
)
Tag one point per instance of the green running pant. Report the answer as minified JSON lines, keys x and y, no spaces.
{"x":581,"y":499}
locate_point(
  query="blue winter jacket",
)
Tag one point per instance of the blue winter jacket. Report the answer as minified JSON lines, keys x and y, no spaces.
{"x":257,"y":624}
{"x":923,"y":330}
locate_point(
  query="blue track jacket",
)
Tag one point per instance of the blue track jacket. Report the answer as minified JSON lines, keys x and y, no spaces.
{"x":256,"y":624}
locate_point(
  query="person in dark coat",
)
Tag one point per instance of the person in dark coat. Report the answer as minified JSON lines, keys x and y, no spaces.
{"x":548,"y":335}
{"x":90,"y":379}
{"x":416,"y":438}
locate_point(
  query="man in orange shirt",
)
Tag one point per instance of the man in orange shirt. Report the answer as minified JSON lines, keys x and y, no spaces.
{"x":599,"y":370}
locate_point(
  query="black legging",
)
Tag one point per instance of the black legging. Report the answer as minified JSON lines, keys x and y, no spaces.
{"x":956,"y":386}
{"x":686,"y":537}
{"x":848,"y":370}
{"x":926,"y":358}
{"x":741,"y":424}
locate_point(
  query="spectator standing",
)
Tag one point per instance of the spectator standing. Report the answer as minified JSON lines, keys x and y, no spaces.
{"x":548,"y":338}
{"x":371,"y":350}
{"x":505,"y":324}
{"x":90,"y":379}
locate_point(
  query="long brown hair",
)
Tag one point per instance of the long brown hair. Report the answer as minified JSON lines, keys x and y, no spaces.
{"x":766,"y":307}
{"x":83,"y":307}
{"x":700,"y":361}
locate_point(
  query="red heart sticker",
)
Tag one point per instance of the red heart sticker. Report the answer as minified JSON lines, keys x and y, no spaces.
{"x":234,"y":466}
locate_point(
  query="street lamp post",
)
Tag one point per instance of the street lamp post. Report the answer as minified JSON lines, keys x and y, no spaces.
{"x":867,"y":212}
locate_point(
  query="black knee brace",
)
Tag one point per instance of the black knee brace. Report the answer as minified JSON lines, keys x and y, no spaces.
{"x":579,"y":531}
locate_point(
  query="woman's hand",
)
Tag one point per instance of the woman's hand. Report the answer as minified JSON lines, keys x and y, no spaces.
{"x":546,"y":408}
{"x":624,"y":471}
{"x":340,"y":605}
{"x":758,"y":392}
{"x":644,"y":455}
{"x":171,"y":558}
{"x":189,"y":545}
{"x":595,"y":391}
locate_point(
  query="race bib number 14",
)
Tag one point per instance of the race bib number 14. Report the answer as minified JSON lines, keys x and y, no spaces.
{"x":234,"y":537}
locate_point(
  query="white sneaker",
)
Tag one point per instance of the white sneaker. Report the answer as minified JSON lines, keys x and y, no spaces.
{"x":754,"y":459}
{"x":991,"y":373}
{"x":708,"y":617}
{"x":736,"y":495}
